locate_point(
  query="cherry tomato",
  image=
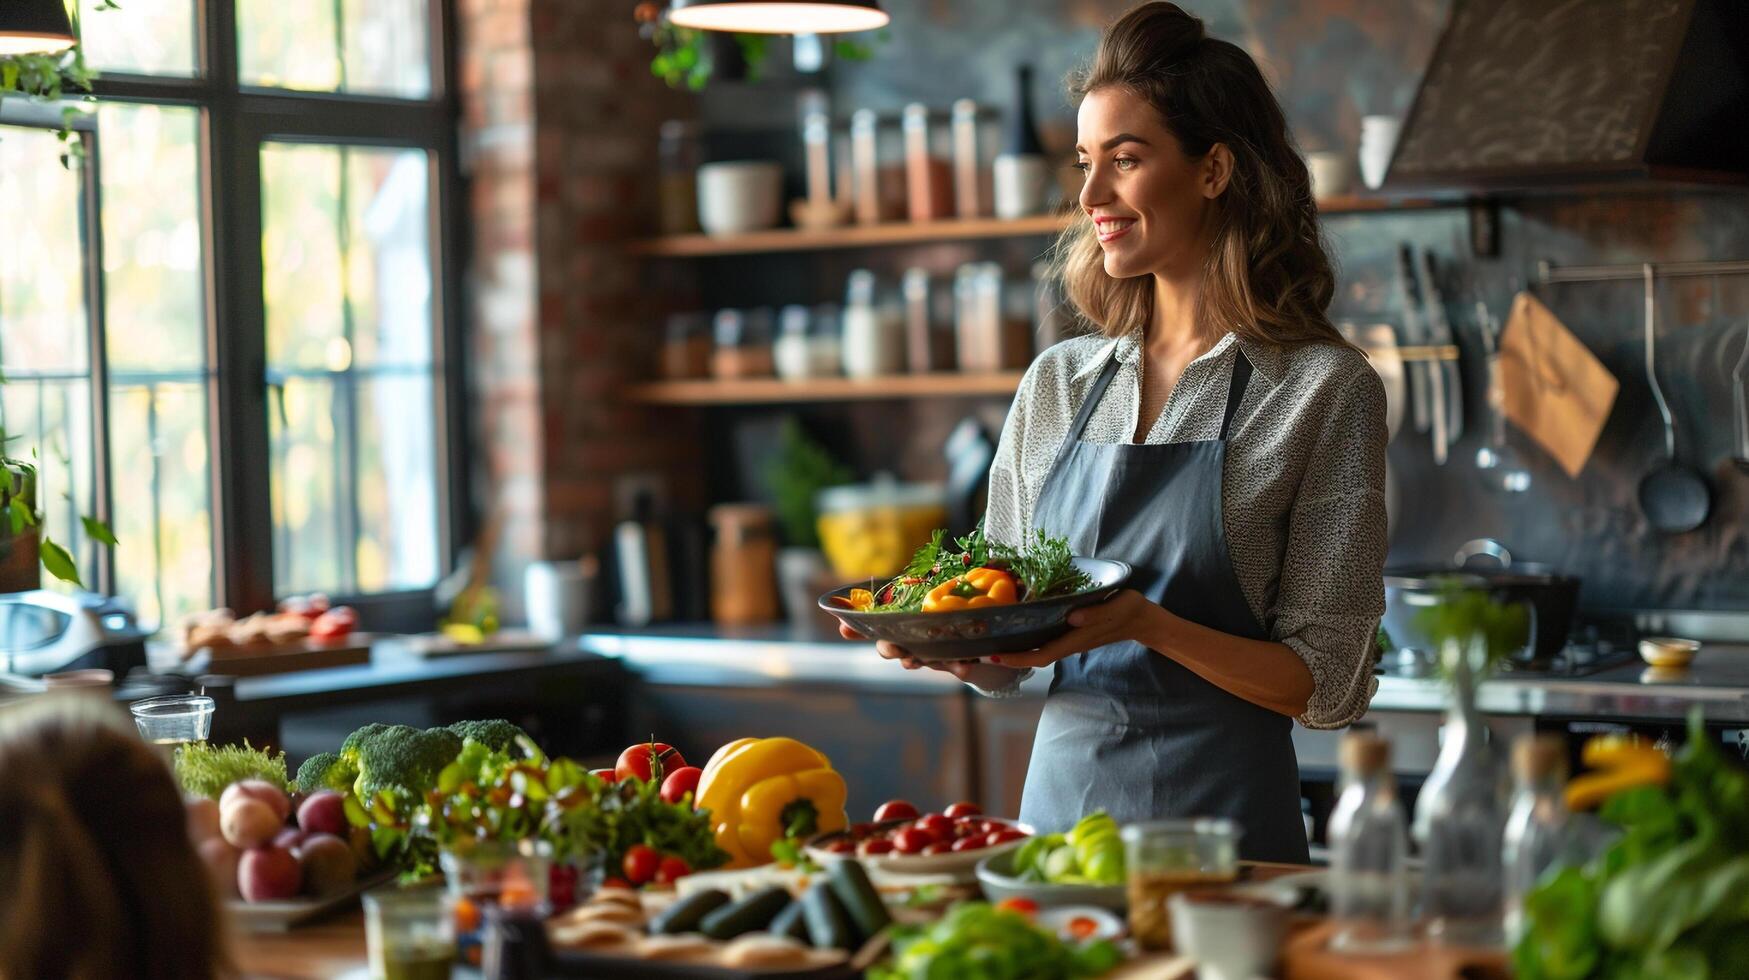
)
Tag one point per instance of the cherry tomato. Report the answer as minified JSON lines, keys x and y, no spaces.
{"x":938,"y":826}
{"x":995,"y":837}
{"x":842,"y":845}
{"x":912,"y":840}
{"x":640,"y":863}
{"x":679,"y":783}
{"x":861,"y":830}
{"x":671,"y":870}
{"x":616,"y":882}
{"x":991,"y":826}
{"x":333,"y":624}
{"x":939,"y":847}
{"x":895,"y":810}
{"x":1025,"y":906}
{"x":1081,"y":927}
{"x":874,"y":847}
{"x":636,"y":760}
{"x":964,"y":809}
{"x":969,"y":843}
{"x":606,"y":774}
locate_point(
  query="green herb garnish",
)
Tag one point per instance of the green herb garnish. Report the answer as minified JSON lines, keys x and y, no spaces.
{"x":1043,"y":567}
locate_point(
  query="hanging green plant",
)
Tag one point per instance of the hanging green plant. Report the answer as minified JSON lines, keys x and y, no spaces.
{"x":687,"y":58}
{"x":54,"y":77}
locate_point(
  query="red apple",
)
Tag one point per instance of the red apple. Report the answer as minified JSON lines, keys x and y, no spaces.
{"x":323,"y":812}
{"x":247,"y":822}
{"x":258,"y":789}
{"x":291,"y":838}
{"x":328,"y":864}
{"x":267,"y":873}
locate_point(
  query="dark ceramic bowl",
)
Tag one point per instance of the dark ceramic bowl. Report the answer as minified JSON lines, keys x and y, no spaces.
{"x":972,"y":633}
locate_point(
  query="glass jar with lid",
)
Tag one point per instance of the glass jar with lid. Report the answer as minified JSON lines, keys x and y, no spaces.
{"x":870,"y":530}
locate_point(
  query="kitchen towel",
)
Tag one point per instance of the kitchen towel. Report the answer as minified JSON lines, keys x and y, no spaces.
{"x":1556,"y":390}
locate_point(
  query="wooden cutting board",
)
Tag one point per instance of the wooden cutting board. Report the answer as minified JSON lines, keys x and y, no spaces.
{"x":257,"y":659}
{"x":1306,"y":956}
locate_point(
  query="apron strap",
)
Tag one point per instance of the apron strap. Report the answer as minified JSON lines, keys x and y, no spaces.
{"x":1094,"y":393}
{"x":1236,"y":393}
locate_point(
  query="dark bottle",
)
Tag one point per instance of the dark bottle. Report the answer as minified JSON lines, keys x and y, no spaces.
{"x":1022,"y":173}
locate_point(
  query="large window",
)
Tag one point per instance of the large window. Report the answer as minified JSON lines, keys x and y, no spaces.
{"x":225,"y":325}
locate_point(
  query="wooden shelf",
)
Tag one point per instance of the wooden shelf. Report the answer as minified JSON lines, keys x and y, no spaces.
{"x":772,"y":391}
{"x":909,"y":233}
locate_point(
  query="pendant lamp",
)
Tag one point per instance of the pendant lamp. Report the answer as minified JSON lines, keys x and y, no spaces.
{"x":34,"y":27}
{"x":779,"y":16}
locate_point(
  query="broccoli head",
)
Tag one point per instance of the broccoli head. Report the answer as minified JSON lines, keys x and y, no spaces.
{"x":400,"y":757}
{"x":326,"y":770}
{"x":349,"y":749}
{"x":494,"y":733}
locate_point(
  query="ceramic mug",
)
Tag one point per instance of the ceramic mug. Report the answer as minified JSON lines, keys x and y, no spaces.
{"x":1332,"y":174}
{"x":1378,"y":141}
{"x":739,"y":196}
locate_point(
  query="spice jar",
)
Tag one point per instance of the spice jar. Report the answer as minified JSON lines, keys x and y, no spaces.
{"x":686,"y":347}
{"x":743,"y":344}
{"x":743,"y":565}
{"x":677,"y":158}
{"x":874,"y":335}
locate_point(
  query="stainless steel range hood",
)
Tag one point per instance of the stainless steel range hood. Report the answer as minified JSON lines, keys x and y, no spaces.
{"x":1526,"y":94}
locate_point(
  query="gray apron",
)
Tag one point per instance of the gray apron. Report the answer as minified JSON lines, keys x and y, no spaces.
{"x":1126,"y":729}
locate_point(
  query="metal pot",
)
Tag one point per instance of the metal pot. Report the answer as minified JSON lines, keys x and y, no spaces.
{"x":1553,"y":598}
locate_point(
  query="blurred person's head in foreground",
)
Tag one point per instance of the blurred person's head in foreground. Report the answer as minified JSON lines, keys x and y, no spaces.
{"x":101,"y":879}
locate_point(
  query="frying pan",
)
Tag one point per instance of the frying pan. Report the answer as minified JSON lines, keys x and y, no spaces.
{"x":1675,"y":497}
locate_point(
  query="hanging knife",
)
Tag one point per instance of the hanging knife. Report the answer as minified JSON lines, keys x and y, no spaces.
{"x":1440,"y":335}
{"x":1429,"y":398}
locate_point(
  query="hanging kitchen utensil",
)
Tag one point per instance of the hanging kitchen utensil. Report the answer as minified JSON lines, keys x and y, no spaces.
{"x":1499,"y":462}
{"x":1430,"y":371}
{"x":1675,"y":497}
{"x":1555,"y":389}
{"x":1740,"y":404}
{"x":1417,"y":370}
{"x":1439,"y":334}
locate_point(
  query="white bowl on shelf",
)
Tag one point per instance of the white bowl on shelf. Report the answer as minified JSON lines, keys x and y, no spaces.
{"x":739,"y":196}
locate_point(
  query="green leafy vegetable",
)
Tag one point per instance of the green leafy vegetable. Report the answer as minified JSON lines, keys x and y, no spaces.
{"x":1043,"y":567}
{"x":617,"y":815}
{"x":978,"y":940}
{"x":205,"y":770}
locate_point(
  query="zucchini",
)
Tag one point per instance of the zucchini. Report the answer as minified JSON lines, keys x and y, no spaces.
{"x":750,"y":914}
{"x":850,"y":885}
{"x":829,"y":926}
{"x":686,"y":914}
{"x":790,"y":923}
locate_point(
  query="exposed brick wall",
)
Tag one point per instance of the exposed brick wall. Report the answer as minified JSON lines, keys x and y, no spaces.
{"x":561,"y":114}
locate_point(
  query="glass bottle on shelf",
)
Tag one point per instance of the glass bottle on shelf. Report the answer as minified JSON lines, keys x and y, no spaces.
{"x":677,"y":158}
{"x":1460,"y":817}
{"x":1368,"y":852}
{"x":1022,"y":171}
{"x":1537,"y":826}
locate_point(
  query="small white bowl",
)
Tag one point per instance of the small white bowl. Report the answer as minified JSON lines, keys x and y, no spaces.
{"x":738,"y":196}
{"x":1231,"y":935}
{"x":1668,"y":652}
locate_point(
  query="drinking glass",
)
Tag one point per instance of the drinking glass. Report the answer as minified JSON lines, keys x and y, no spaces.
{"x":513,"y":875}
{"x":1169,"y":856}
{"x":409,"y":934}
{"x":175,"y":719}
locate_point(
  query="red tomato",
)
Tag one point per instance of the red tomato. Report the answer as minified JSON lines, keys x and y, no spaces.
{"x":607,"y":774}
{"x":670,"y":870}
{"x":969,"y":843}
{"x":895,"y":810}
{"x":640,"y":863}
{"x":842,"y":845}
{"x":991,"y":826}
{"x":874,"y":848}
{"x":939,"y":847}
{"x":1025,"y":906}
{"x":635,"y":761}
{"x":333,"y":624}
{"x":1081,"y":927}
{"x":938,"y":826}
{"x":861,"y":830}
{"x":615,"y":882}
{"x":963,"y":809}
{"x":912,"y":840}
{"x":1003,"y":836}
{"x":679,"y":783}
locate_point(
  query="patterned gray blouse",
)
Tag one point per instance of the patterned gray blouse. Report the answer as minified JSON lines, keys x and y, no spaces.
{"x":1302,"y":492}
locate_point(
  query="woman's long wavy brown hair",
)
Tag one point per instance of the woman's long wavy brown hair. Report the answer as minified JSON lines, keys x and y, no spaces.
{"x":1268,"y":275}
{"x":101,"y":878}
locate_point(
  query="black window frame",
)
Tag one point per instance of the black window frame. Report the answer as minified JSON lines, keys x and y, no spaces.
{"x":236,"y":121}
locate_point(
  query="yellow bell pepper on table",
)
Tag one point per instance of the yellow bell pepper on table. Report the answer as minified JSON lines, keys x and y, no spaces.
{"x":976,"y":588}
{"x":1620,"y":763}
{"x":761,"y":790}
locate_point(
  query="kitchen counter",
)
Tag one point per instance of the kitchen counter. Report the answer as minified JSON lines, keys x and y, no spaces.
{"x":1717,"y":682}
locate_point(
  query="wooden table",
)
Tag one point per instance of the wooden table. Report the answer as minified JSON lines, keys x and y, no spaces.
{"x":330,"y":948}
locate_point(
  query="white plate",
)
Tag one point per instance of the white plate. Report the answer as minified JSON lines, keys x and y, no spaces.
{"x":1057,"y":920}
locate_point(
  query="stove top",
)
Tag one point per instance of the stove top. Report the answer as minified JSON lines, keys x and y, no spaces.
{"x":1591,"y":648}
